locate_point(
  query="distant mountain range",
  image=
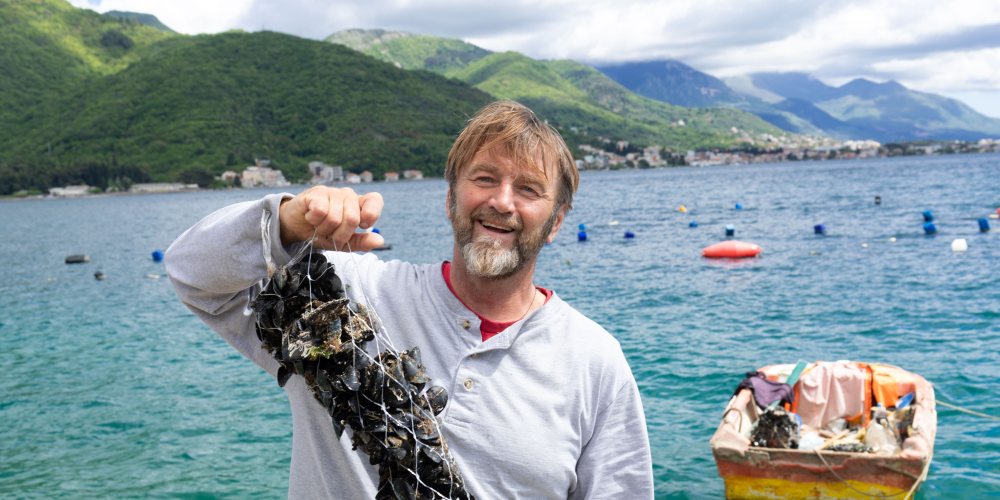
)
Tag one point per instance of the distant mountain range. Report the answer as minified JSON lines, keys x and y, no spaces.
{"x":582,"y":100}
{"x":797,"y":102}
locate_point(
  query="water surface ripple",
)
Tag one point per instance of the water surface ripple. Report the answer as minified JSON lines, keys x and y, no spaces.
{"x":114,"y":389}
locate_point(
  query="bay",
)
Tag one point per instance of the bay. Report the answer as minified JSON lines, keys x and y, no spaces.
{"x":113,"y":389}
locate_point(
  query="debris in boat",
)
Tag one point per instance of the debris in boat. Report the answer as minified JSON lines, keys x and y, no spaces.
{"x":853,"y":447}
{"x":880,"y":435}
{"x":307,"y":322}
{"x":776,"y":428}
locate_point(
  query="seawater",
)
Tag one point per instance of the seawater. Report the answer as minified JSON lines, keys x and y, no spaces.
{"x":113,"y":389}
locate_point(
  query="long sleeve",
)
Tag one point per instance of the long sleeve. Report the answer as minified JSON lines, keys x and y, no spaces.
{"x":217,"y":263}
{"x":616,"y":462}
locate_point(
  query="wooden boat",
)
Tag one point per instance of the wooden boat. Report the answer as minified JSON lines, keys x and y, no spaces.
{"x":762,"y":472}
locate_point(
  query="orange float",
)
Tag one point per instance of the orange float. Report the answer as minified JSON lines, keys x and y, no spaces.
{"x":731,"y":249}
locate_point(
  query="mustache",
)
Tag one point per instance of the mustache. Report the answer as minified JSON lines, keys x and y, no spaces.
{"x":491,"y":216}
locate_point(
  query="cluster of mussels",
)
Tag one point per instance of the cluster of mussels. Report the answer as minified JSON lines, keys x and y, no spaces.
{"x":306,"y":321}
{"x":775,"y":429}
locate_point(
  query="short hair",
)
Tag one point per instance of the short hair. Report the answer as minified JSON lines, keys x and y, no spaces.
{"x":515,"y":129}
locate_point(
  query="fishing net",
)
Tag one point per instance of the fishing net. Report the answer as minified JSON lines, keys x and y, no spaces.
{"x":310,"y":326}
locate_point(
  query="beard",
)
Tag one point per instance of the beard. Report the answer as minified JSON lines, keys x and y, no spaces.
{"x":486,"y":257}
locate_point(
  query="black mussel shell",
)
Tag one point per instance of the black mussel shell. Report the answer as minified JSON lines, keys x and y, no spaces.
{"x":437,"y":396}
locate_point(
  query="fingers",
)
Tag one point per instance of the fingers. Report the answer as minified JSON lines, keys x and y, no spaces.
{"x":334,"y":216}
{"x":371,"y":209}
{"x":350,"y":217}
{"x":363,"y":242}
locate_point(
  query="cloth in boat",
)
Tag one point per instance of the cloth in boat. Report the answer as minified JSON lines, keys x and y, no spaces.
{"x":765,"y":391}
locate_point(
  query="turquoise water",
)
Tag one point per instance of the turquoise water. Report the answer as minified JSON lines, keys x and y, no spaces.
{"x":112,"y":388}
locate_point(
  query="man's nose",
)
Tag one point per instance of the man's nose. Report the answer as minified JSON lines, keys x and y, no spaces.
{"x":503,"y":198}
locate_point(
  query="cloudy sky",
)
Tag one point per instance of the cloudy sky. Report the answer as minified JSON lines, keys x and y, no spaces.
{"x":949,"y":47}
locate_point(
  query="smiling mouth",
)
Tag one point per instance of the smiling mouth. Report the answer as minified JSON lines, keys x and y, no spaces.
{"x":496,"y":228}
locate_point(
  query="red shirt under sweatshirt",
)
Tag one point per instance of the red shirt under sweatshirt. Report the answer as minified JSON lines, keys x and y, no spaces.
{"x":487,"y":328}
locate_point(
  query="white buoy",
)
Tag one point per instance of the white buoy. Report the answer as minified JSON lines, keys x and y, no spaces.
{"x":864,"y":245}
{"x":892,"y":239}
{"x":959,"y":245}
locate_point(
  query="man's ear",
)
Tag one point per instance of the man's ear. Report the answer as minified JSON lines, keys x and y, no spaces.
{"x":558,"y":224}
{"x":447,"y":204}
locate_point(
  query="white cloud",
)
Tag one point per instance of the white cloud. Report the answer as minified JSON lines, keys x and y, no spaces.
{"x":948,"y":72}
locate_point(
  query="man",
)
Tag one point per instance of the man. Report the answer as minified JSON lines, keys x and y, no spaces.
{"x":542,"y":402}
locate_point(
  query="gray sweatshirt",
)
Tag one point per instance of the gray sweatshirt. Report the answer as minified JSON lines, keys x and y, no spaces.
{"x":548,"y":408}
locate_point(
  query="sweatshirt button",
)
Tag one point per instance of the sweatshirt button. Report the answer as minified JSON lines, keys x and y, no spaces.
{"x":469,"y":384}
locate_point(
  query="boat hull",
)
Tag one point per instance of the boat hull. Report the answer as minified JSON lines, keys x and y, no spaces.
{"x":766,"y":473}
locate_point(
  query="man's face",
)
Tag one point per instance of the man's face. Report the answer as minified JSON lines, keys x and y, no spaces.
{"x":502,"y":214}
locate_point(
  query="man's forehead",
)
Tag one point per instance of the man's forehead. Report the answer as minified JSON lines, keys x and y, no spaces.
{"x":532,"y":165}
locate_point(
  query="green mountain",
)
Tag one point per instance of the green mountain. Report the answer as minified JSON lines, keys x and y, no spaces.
{"x":186,"y":108}
{"x":147,"y":19}
{"x":571,"y":95}
{"x":410,"y":51}
{"x":50,"y":47}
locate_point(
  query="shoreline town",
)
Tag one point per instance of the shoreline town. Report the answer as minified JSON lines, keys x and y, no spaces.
{"x":612,"y":156}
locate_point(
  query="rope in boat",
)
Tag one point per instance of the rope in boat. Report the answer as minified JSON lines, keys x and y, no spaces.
{"x":908,"y":494}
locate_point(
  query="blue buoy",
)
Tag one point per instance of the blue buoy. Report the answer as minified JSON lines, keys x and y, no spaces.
{"x":878,"y":200}
{"x":582,"y":227}
{"x":730,"y":230}
{"x":928,"y":216}
{"x":157,"y":255}
{"x":739,"y":206}
{"x":930,"y":228}
{"x":376,"y":231}
{"x":692,"y":224}
{"x":581,"y":236}
{"x":819,"y":229}
{"x":629,"y":235}
{"x":984,"y":225}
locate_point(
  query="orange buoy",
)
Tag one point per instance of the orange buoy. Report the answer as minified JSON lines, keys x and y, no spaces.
{"x":731,"y":249}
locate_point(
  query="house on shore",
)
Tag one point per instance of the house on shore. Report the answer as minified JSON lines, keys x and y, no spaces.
{"x":74,"y":191}
{"x":262,"y":176}
{"x":325,"y":174}
{"x":161,"y":187}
